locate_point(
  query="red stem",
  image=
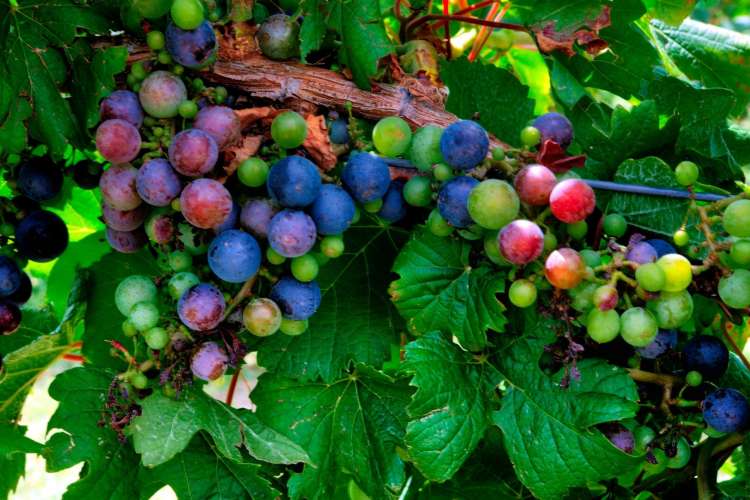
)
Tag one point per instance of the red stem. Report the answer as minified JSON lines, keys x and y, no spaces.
{"x":232,"y":387}
{"x":73,"y":357}
{"x":465,"y":19}
{"x":447,"y":30}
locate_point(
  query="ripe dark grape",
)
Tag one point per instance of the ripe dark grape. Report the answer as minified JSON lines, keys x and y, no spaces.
{"x":278,"y":37}
{"x":707,"y":355}
{"x":160,"y":228}
{"x":366,"y":177}
{"x":10,"y":317}
{"x":209,"y":362}
{"x":641,"y":253}
{"x":126,"y":241}
{"x":234,"y":256}
{"x":124,"y":220}
{"x":10,"y":276}
{"x":726,"y":410}
{"x":191,"y":48}
{"x":521,"y":242}
{"x":41,"y":236}
{"x":205,"y":203}
{"x":464,"y":144}
{"x":161,"y":94}
{"x":572,"y":200}
{"x":118,"y":187}
{"x":291,"y":233}
{"x":333,"y":210}
{"x":118,"y":141}
{"x":672,"y":309}
{"x":231,"y":221}
{"x":124,"y":105}
{"x":339,"y":131}
{"x":86,"y":174}
{"x":394,"y":206}
{"x":453,"y":200}
{"x":157,"y":183}
{"x":564,"y":268}
{"x":294,"y":182}
{"x":555,"y":127}
{"x":734,"y":289}
{"x":661,"y":247}
{"x":256,"y":216}
{"x":534,"y":183}
{"x":201,"y":308}
{"x":220,"y":122}
{"x":296,"y":300}
{"x":493,"y":204}
{"x":665,"y":340}
{"x":193,"y":152}
{"x":40,"y":179}
{"x":425,"y":147}
{"x":23,"y":293}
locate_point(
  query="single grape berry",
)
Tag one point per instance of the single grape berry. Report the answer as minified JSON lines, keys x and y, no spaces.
{"x":425,"y":147}
{"x":522,"y":293}
{"x":615,"y":225}
{"x":736,"y":219}
{"x":292,"y":233}
{"x":253,"y":172}
{"x":293,"y":327}
{"x":605,"y":297}
{"x":437,"y":225}
{"x":366,"y":177}
{"x":740,"y":252}
{"x":332,"y":246}
{"x":157,"y":183}
{"x":201,"y":308}
{"x":534,"y":183}
{"x":530,"y":136}
{"x":155,"y":39}
{"x":262,"y":317}
{"x":41,"y":236}
{"x":661,"y":247}
{"x":234,"y":256}
{"x":133,"y":290}
{"x":180,"y":283}
{"x":193,"y":152}
{"x":333,"y":210}
{"x":161,"y":94}
{"x":338,"y":131}
{"x":39,"y":179}
{"x":564,"y":268}
{"x":650,"y":277}
{"x":205,"y":203}
{"x":603,"y":325}
{"x":734,"y":289}
{"x":193,"y":48}
{"x":442,"y":172}
{"x":373,"y":206}
{"x":693,"y":378}
{"x":278,"y":37}
{"x":209,"y":362}
{"x":686,"y":173}
{"x":124,"y":220}
{"x":464,"y":144}
{"x":394,"y":206}
{"x":144,"y":315}
{"x":672,"y":309}
{"x":118,"y":187}
{"x":273,"y":257}
{"x":707,"y":355}
{"x":180,"y":260}
{"x":118,"y":141}
{"x":592,"y":258}
{"x":572,"y":200}
{"x":453,"y":200}
{"x":620,"y":436}
{"x":289,"y":129}
{"x":681,"y":238}
{"x":10,"y":317}
{"x":86,"y":174}
{"x":187,"y":14}
{"x":221,"y":123}
{"x":256,"y":216}
{"x":726,"y":410}
{"x":296,"y":300}
{"x":638,"y":327}
{"x":677,"y":271}
{"x":187,"y":109}
{"x":391,"y":136}
{"x":156,"y":338}
{"x":23,"y":292}
{"x":521,"y":242}
{"x":555,"y":127}
{"x":126,"y":241}
{"x":577,"y":230}
{"x":418,"y":191}
{"x":10,"y":276}
{"x":294,"y":182}
{"x":582,"y":296}
{"x":641,"y":253}
{"x":123,"y":105}
{"x":665,"y":341}
{"x":493,"y":203}
{"x":304,"y":268}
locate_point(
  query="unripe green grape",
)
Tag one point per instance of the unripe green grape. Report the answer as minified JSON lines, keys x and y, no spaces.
{"x":132,"y":290}
{"x":391,"y":136}
{"x":530,"y":136}
{"x":425,"y":147}
{"x":686,"y":173}
{"x":288,"y":129}
{"x":180,"y":283}
{"x":615,"y":225}
{"x":198,"y":84}
{"x":332,"y":246}
{"x":138,"y":70}
{"x":152,"y":9}
{"x":603,"y":326}
{"x":262,"y":317}
{"x":164,"y":58}
{"x":522,"y":293}
{"x":590,"y":257}
{"x":498,"y":154}
{"x":650,"y":277}
{"x":442,"y":172}
{"x":438,"y":225}
{"x":138,"y":380}
{"x":129,"y":329}
{"x":681,"y":238}
{"x":736,"y":219}
{"x":214,"y":16}
{"x":550,"y":241}
{"x":180,"y":260}
{"x":156,"y":338}
{"x":734,"y":290}
{"x":492,"y":250}
{"x":144,"y":315}
{"x":131,"y":80}
{"x":493,"y":204}
{"x":418,"y":192}
{"x":293,"y":327}
{"x":672,"y":309}
{"x":582,"y":296}
{"x":577,"y":230}
{"x":220,"y":95}
{"x":740,"y":252}
{"x":305,"y":268}
{"x":187,"y":14}
{"x":155,"y":40}
{"x":187,"y":109}
{"x":357,"y":215}
{"x":682,"y":457}
{"x":373,"y":206}
{"x":638,"y":327}
{"x":274,"y":257}
{"x":693,"y":378}
{"x":678,"y":272}
{"x":253,"y":172}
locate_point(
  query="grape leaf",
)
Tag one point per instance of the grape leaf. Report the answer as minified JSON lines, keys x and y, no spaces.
{"x":111,"y":465}
{"x":200,"y":471}
{"x":355,"y":320}
{"x":737,"y":375}
{"x":166,"y":427}
{"x":13,"y":447}
{"x":474,"y":92}
{"x":670,"y":11}
{"x":451,"y":409}
{"x":351,"y":428}
{"x":13,"y":113}
{"x":439,"y":290}
{"x":80,"y":209}
{"x":313,"y":27}
{"x":548,"y":430}
{"x":83,"y":252}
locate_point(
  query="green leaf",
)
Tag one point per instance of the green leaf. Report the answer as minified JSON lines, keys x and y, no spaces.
{"x":111,"y":465}
{"x":355,"y":320}
{"x":439,"y":290}
{"x":451,"y":408}
{"x":13,"y":447}
{"x":13,"y":113}
{"x":474,"y":91}
{"x":80,"y":209}
{"x":670,"y":11}
{"x":166,"y":427}
{"x":548,"y":430}
{"x":200,"y":471}
{"x":313,"y":28}
{"x":737,"y":375}
{"x":350,"y":428}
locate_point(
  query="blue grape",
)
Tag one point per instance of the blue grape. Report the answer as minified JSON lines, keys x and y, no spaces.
{"x":291,"y":233}
{"x":464,"y":144}
{"x":366,"y":177}
{"x":124,"y":220}
{"x":664,"y":341}
{"x":193,"y":152}
{"x":726,"y":410}
{"x":707,"y":355}
{"x":333,"y":210}
{"x":231,"y":221}
{"x":234,"y":256}
{"x":555,"y":127}
{"x":157,"y":183}
{"x":661,"y":247}
{"x":40,"y":179}
{"x":191,"y":48}
{"x":126,"y":241}
{"x":453,"y":200}
{"x":294,"y":182}
{"x":256,"y":216}
{"x":122,"y":104}
{"x":641,"y":253}
{"x":394,"y":206}
{"x":296,"y":300}
{"x":10,"y":276}
{"x":220,"y":122}
{"x":41,"y":236}
{"x":201,"y":308}
{"x":23,"y":293}
{"x":339,"y":131}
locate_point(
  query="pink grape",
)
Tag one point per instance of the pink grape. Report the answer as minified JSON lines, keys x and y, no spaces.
{"x":193,"y":152}
{"x":220,"y":122}
{"x":161,"y":94}
{"x":205,"y":203}
{"x":202,"y":307}
{"x":117,"y":185}
{"x":124,"y":220}
{"x":122,"y":104}
{"x":534,"y":183}
{"x":126,"y":241}
{"x":209,"y":361}
{"x":564,"y":268}
{"x":521,"y":241}
{"x":572,"y":200}
{"x":118,"y":141}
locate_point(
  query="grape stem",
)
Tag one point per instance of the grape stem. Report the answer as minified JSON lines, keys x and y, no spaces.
{"x":705,"y":470}
{"x":245,"y":292}
{"x":731,"y":341}
{"x":666,"y":381}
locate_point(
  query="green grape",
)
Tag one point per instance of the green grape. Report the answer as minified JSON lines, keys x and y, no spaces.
{"x":156,"y":338}
{"x":603,"y":326}
{"x":740,"y":252}
{"x":198,"y":85}
{"x":681,"y":238}
{"x":373,"y":206}
{"x":155,"y":40}
{"x":132,"y":290}
{"x":131,"y":80}
{"x":437,"y":225}
{"x":418,"y":192}
{"x":357,"y":215}
{"x":425,"y":147}
{"x":187,"y":109}
{"x":694,"y":378}
{"x":305,"y":268}
{"x":615,"y":225}
{"x":493,"y":204}
{"x":164,"y":58}
{"x":650,"y":277}
{"x":180,"y":283}
{"x":253,"y":172}
{"x":187,"y":14}
{"x":660,"y":465}
{"x":214,"y":15}
{"x":129,"y":329}
{"x":643,"y":436}
{"x":498,"y":154}
{"x":734,"y":290}
{"x":736,"y":219}
{"x":522,"y":293}
{"x":180,"y":260}
{"x":550,"y":241}
{"x":221,"y":93}
{"x":274,"y":257}
{"x":682,"y":457}
{"x":672,"y":309}
{"x":492,"y":249}
{"x":577,"y":230}
{"x":144,"y":315}
{"x":592,"y":258}
{"x":138,"y":380}
{"x":678,"y":273}
{"x":391,"y":136}
{"x":293,"y":327}
{"x":152,"y":9}
{"x":530,"y":136}
{"x":638,"y":327}
{"x":289,"y":129}
{"x":332,"y":246}
{"x":262,"y":317}
{"x":686,"y":173}
{"x":442,"y":172}
{"x":583,"y":296}
{"x":138,"y":70}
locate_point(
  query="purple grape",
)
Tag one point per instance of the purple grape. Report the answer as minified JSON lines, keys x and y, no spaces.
{"x":40,"y":179}
{"x":41,"y":236}
{"x":366,"y":177}
{"x":10,"y":317}
{"x":220,"y":122}
{"x":234,"y":256}
{"x":122,"y":104}
{"x":294,"y":182}
{"x":118,"y":187}
{"x":453,"y":199}
{"x":205,"y":203}
{"x":707,"y":355}
{"x":191,"y":48}
{"x":665,"y":340}
{"x":193,"y":152}
{"x":256,"y":216}
{"x":394,"y":206}
{"x":641,"y":253}
{"x":161,"y":94}
{"x":157,"y":183}
{"x":661,"y":247}
{"x":118,"y":141}
{"x":126,"y":241}
{"x":726,"y":410}
{"x":296,"y":300}
{"x":291,"y":233}
{"x":160,"y":228}
{"x":10,"y":276}
{"x":124,"y":220}
{"x":621,"y":437}
{"x":231,"y":221}
{"x":333,"y":210}
{"x":86,"y":174}
{"x":464,"y":144}
{"x":202,"y":307}
{"x":23,"y":294}
{"x":209,"y":362}
{"x":555,"y":127}
{"x":339,"y":131}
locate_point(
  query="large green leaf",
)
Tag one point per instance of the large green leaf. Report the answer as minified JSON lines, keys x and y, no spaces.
{"x":167,"y":425}
{"x":737,"y":375}
{"x":355,"y":321}
{"x":474,"y":92}
{"x":451,"y":408}
{"x":439,"y":290}
{"x":80,"y":209}
{"x":79,"y":253}
{"x":670,"y":11}
{"x":13,"y":113}
{"x":350,"y":428}
{"x":13,"y":447}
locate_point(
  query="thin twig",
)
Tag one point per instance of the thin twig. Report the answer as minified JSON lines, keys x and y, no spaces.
{"x":232,"y":387}
{"x":244,"y":292}
{"x":666,"y":381}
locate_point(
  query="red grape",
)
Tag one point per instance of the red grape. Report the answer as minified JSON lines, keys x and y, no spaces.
{"x":572,"y":200}
{"x":160,"y":228}
{"x":205,"y":203}
{"x":521,"y":241}
{"x":534,"y":184}
{"x":121,"y":104}
{"x":118,"y":188}
{"x":220,"y":122}
{"x":193,"y":152}
{"x":118,"y":141}
{"x":124,"y":220}
{"x":564,"y":268}
{"x":10,"y":317}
